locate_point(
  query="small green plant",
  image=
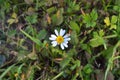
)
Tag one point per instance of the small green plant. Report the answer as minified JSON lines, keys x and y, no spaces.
{"x":73,"y":6}
{"x":97,"y":40}
{"x":90,"y":19}
{"x":112,"y":22}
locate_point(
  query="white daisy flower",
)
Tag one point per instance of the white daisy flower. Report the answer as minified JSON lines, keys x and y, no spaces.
{"x":60,"y":39}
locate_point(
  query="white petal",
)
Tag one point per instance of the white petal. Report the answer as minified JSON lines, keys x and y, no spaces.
{"x":65,"y":44}
{"x":56,"y":32}
{"x":67,"y":35}
{"x":62,"y":47}
{"x":67,"y":39}
{"x":53,"y":36}
{"x":62,"y":32}
{"x":54,"y":43}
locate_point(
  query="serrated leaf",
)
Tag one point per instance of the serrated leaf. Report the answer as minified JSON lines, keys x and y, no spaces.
{"x":93,"y":24}
{"x":114,"y":19}
{"x":101,"y":33}
{"x":86,"y":18}
{"x":94,"y":14}
{"x":95,"y":34}
{"x":113,"y":26}
{"x":32,"y":18}
{"x":90,"y":19}
{"x":95,"y":42}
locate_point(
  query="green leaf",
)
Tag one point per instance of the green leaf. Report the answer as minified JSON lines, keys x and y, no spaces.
{"x":77,"y":62}
{"x":11,"y":32}
{"x":51,"y":10}
{"x":37,"y":41}
{"x":42,"y":34}
{"x":6,"y":71}
{"x":86,"y":47}
{"x":94,"y":15}
{"x":93,"y":24}
{"x":87,"y":20}
{"x":114,"y":19}
{"x":57,"y":18}
{"x":87,"y":68}
{"x":101,"y":33}
{"x":95,"y":34}
{"x":108,"y":52}
{"x":76,"y":7}
{"x":32,"y":56}
{"x":113,"y":26}
{"x":95,"y":42}
{"x":72,"y":52}
{"x":74,"y":26}
{"x":90,"y":19}
{"x":32,"y":18}
{"x":73,"y":67}
{"x":19,"y":70}
{"x":74,"y":38}
{"x":65,"y":62}
{"x":116,"y":8}
{"x":29,"y":29}
{"x":2,"y":2}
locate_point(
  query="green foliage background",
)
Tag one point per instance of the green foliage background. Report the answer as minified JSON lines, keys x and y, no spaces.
{"x":26,"y":52}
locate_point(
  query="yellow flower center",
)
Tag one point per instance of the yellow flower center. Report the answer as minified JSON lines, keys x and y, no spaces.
{"x":59,"y":39}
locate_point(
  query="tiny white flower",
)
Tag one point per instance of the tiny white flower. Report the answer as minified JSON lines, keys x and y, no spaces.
{"x":60,"y":39}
